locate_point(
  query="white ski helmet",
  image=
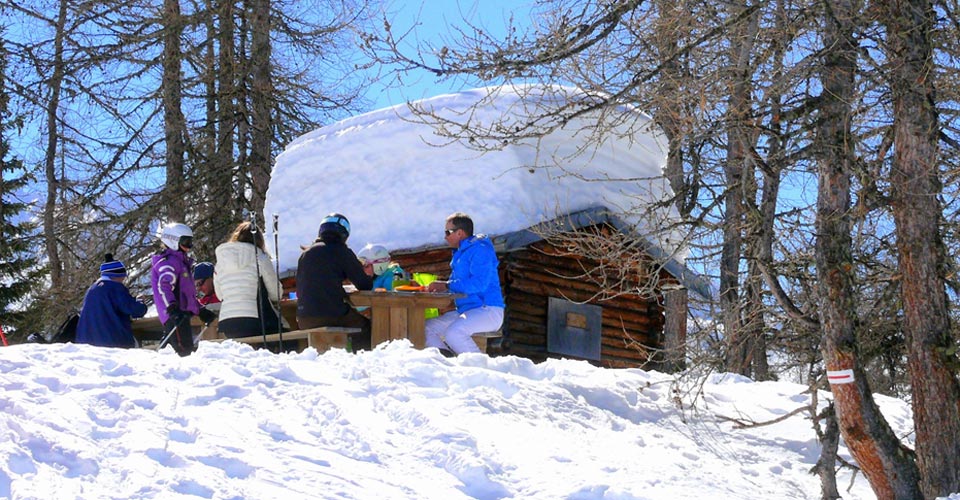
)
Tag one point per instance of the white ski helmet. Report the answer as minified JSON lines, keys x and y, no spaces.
{"x":376,"y":255}
{"x":173,"y":235}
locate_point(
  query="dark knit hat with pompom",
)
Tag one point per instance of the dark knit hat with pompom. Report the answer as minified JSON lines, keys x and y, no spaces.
{"x":112,"y":268}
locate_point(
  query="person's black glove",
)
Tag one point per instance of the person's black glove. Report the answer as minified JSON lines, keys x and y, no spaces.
{"x":174,"y":314}
{"x":207,"y":316}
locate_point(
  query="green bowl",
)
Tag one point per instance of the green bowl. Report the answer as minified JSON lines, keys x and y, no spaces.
{"x":424,"y":279}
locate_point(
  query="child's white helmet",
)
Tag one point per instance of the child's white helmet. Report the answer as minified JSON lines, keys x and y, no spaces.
{"x":376,"y":255}
{"x":175,"y":234}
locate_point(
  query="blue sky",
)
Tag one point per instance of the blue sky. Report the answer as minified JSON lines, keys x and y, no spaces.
{"x":434,"y":21}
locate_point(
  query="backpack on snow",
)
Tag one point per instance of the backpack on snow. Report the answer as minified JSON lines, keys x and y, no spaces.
{"x":68,"y":330}
{"x":66,"y":333}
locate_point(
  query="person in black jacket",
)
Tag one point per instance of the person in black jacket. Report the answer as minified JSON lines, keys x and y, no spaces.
{"x":321,"y":271}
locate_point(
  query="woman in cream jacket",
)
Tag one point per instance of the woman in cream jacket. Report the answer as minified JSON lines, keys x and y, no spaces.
{"x":244,"y":273}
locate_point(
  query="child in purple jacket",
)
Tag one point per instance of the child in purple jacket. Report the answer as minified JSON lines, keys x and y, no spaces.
{"x":174,"y":292}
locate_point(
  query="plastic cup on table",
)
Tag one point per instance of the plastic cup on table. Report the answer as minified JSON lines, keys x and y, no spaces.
{"x":424,"y":279}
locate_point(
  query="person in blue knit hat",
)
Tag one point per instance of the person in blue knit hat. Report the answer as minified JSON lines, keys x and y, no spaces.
{"x":107,"y":309}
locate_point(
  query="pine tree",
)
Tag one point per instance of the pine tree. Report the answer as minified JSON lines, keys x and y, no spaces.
{"x":19,"y":270}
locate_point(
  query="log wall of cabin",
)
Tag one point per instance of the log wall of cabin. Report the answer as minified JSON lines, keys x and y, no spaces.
{"x":630,"y":327}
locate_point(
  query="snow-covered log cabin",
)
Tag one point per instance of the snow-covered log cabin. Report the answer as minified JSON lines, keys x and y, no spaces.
{"x":549,"y":191}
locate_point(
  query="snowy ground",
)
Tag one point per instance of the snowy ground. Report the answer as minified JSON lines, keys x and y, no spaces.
{"x":396,"y":423}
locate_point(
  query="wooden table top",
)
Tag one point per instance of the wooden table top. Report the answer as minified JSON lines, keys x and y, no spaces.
{"x":402,"y":299}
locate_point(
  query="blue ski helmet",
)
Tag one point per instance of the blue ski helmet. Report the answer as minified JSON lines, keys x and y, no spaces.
{"x":335,"y":223}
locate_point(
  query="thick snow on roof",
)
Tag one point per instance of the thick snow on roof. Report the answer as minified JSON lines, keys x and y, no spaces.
{"x":397,"y":174}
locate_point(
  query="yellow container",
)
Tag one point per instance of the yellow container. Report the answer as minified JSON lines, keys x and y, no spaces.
{"x":424,"y":279}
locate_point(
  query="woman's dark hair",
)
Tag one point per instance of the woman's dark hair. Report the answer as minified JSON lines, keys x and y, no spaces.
{"x":244,"y":234}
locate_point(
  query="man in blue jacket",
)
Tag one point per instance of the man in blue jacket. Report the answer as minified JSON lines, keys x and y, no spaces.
{"x":473,"y":272}
{"x":107,"y":309}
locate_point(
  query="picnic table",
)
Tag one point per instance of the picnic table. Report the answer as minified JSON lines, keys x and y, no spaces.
{"x":400,"y":315}
{"x":393,"y":315}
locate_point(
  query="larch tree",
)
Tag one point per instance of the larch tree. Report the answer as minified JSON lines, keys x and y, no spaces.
{"x":66,"y":90}
{"x":261,"y":103}
{"x":881,"y":456}
{"x":149,"y":112}
{"x":738,"y":170}
{"x":916,"y":188}
{"x":174,"y":123}
{"x":52,"y":148}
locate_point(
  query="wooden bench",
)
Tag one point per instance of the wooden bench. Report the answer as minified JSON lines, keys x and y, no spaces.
{"x":481,"y":338}
{"x":320,"y":338}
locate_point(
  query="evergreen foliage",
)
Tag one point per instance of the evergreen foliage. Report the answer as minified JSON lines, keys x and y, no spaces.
{"x":19,"y":271}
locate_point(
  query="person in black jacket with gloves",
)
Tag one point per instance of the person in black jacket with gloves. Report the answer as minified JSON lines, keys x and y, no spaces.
{"x":321,"y":271}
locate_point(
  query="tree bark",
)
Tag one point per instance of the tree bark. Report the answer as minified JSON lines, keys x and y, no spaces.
{"x":262,"y":102}
{"x":916,"y":188}
{"x":675,"y":329}
{"x":174,"y":124}
{"x":50,"y":232}
{"x":737,"y":170}
{"x":228,"y":193}
{"x":669,"y":104}
{"x":825,"y":467}
{"x":884,"y":461}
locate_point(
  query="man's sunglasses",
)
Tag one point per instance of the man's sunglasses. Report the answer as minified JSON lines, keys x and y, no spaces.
{"x":448,"y":232}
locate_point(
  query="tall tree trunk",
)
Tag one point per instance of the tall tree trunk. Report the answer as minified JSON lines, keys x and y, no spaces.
{"x":737,"y":169}
{"x":229,"y":193}
{"x":50,"y":232}
{"x":174,"y":124}
{"x":209,"y":78}
{"x":762,"y":217}
{"x":243,"y":113}
{"x":916,"y":187}
{"x":886,"y":463}
{"x":262,"y":102}
{"x":668,"y":102}
{"x":668,"y":109}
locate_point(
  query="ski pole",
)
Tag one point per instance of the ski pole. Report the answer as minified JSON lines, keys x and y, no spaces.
{"x":167,"y":336}
{"x":256,"y":260}
{"x":276,"y":253}
{"x":197,"y":337}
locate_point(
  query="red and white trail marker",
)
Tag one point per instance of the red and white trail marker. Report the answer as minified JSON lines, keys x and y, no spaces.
{"x":840,"y":377}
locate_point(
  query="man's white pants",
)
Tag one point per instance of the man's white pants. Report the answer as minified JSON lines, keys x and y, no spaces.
{"x":454,"y":329}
